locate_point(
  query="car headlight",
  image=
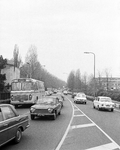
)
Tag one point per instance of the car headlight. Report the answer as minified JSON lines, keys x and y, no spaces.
{"x":50,"y":110}
{"x":32,"y":109}
{"x":30,"y":97}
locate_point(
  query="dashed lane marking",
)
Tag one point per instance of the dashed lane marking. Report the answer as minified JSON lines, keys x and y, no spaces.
{"x":82,"y":126}
{"x":105,"y":147}
{"x":79,"y":115}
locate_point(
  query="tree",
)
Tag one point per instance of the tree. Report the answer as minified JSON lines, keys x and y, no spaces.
{"x":31,"y":60}
{"x":16,"y":57}
{"x":3,"y":63}
{"x":70,"y":80}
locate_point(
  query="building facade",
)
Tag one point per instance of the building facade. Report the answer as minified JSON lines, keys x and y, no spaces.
{"x":11,"y":72}
{"x":109,"y":83}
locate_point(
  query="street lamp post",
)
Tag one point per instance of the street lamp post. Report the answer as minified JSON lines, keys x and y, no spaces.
{"x":94,"y":70}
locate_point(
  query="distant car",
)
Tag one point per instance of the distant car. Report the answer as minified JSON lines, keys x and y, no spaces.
{"x":80,"y":98}
{"x":65,"y":92}
{"x":74,"y":94}
{"x":102,"y":102}
{"x":11,"y":124}
{"x":60,"y":97}
{"x":47,"y":106}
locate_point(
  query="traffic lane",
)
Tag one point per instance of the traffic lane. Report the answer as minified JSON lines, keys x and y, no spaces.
{"x":85,"y":134}
{"x":44,"y":133}
{"x":109,"y":122}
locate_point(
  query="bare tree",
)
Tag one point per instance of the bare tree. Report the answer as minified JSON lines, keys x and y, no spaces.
{"x":31,"y":60}
{"x":16,"y":57}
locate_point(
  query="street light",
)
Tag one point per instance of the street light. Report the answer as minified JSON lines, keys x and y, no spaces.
{"x":94,"y":70}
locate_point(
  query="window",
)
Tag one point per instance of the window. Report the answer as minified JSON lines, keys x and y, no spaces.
{"x":7,"y":112}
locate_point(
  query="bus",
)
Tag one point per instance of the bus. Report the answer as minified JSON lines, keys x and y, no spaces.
{"x":26,"y":91}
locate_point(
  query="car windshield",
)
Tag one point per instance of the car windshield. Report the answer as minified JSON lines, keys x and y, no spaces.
{"x":105,"y":100}
{"x":47,"y":101}
{"x":81,"y":95}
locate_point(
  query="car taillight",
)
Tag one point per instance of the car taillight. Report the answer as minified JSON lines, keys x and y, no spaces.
{"x":30,"y":97}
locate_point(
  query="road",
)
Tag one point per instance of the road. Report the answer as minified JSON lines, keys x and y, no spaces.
{"x":91,"y":129}
{"x":43,"y":134}
{"x":79,"y":127}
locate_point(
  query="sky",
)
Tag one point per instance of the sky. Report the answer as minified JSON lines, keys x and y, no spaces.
{"x":62,"y":30}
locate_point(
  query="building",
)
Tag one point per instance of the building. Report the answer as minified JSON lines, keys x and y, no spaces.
{"x":109,"y":83}
{"x":10,"y":71}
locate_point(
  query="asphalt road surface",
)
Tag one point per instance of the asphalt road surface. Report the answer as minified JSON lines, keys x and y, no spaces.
{"x":44,"y":133}
{"x":79,"y":127}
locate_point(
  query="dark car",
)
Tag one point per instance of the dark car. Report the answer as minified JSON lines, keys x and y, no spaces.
{"x":47,"y":106}
{"x":60,"y":97}
{"x":11,"y":124}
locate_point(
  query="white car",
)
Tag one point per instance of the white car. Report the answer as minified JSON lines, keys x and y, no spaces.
{"x":65,"y":92}
{"x":80,"y":98}
{"x":103,"y":102}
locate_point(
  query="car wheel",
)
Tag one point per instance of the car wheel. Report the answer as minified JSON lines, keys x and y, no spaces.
{"x":112,"y":109}
{"x":85,"y":102}
{"x":54,"y":116}
{"x":59,"y":113}
{"x":18,"y":136}
{"x":32,"y":117}
{"x":93,"y":106}
{"x":98,"y":107}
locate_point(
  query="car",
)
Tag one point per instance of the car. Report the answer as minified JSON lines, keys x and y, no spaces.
{"x":65,"y":92}
{"x":11,"y":124}
{"x":80,"y":98}
{"x":60,"y":97}
{"x":47,"y":106}
{"x":103,"y":102}
{"x":74,"y":94}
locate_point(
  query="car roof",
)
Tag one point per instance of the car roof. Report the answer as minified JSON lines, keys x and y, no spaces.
{"x":103,"y":96}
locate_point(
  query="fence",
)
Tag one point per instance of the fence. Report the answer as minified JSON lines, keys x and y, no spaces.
{"x":4,"y":97}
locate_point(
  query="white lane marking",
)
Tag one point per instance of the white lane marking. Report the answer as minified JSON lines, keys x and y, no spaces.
{"x":79,"y":115}
{"x":102,"y":130}
{"x":82,"y":126}
{"x":109,"y":146}
{"x":66,"y":132}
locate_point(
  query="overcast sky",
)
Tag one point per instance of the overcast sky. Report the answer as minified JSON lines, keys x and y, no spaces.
{"x":62,"y":30}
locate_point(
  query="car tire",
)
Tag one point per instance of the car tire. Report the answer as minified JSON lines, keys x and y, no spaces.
{"x":93,"y":106}
{"x":85,"y":102}
{"x":112,"y":109}
{"x":32,"y":117}
{"x":54,"y":116}
{"x":18,"y":135}
{"x":59,"y":113}
{"x":98,"y":108}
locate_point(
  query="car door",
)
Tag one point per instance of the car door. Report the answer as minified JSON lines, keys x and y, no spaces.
{"x":11,"y":120}
{"x":3,"y":129}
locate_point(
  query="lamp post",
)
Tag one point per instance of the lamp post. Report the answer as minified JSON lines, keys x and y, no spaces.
{"x":94,"y":70}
